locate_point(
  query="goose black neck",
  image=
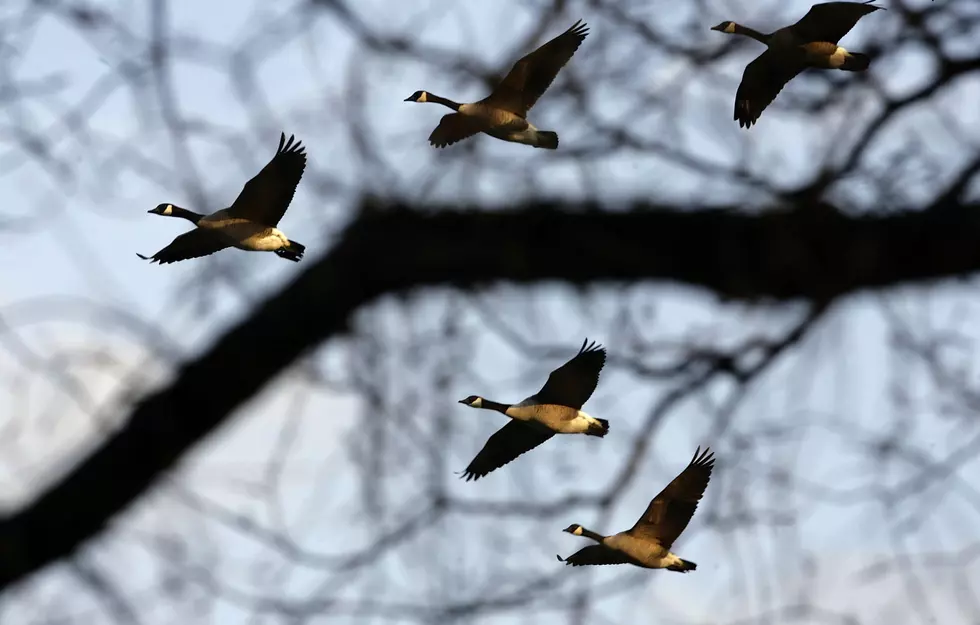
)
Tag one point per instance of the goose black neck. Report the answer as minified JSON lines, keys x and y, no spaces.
{"x":190,"y":216}
{"x":438,"y":99}
{"x":492,"y":405}
{"x":754,"y":34}
{"x":593,"y":535}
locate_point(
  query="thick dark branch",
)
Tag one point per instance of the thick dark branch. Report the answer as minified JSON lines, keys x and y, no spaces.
{"x":813,"y":254}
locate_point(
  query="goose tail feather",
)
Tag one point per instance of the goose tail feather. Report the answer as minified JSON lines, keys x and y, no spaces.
{"x":683,"y":567}
{"x":600,"y":429}
{"x":856,"y":62}
{"x":546,"y":139}
{"x":294,"y":251}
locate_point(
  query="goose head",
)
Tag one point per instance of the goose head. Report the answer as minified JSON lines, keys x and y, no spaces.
{"x":162,"y":209}
{"x":575,"y":529}
{"x":418,"y":96}
{"x":473,"y":401}
{"x":725,"y":27}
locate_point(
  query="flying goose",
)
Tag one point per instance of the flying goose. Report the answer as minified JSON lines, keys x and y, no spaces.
{"x":647,"y":543}
{"x":250,"y":222}
{"x":810,"y":42}
{"x":555,"y":409}
{"x":503,"y":113}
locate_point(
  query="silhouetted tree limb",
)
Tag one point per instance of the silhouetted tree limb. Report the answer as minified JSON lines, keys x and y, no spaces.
{"x":812,"y":253}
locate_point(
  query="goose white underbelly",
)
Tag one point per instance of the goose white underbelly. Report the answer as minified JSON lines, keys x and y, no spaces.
{"x":645,"y":553}
{"x":267,"y":241}
{"x":528,"y":135}
{"x":248,"y":235}
{"x":561,"y":419}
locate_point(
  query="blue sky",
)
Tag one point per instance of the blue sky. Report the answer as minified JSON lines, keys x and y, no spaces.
{"x":68,"y":249}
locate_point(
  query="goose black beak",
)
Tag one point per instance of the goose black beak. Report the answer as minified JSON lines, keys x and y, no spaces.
{"x":718,"y":28}
{"x":408,"y":99}
{"x":462,"y":401}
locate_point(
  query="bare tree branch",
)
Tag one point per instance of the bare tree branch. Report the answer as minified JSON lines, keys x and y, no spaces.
{"x":779,"y":256}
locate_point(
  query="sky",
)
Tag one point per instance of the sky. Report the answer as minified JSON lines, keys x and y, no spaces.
{"x":68,"y":251}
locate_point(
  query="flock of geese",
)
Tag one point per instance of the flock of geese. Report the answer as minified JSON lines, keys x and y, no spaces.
{"x":557,"y":409}
{"x":250,"y":223}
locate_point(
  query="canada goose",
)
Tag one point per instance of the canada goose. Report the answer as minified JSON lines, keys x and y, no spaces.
{"x":647,"y":543}
{"x":555,"y":409}
{"x":503,"y":113}
{"x":250,"y":222}
{"x":810,"y":42}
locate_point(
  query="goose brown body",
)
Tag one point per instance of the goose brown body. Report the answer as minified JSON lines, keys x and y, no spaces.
{"x":647,"y":544}
{"x":250,"y":222}
{"x":555,"y":409}
{"x":809,"y":43}
{"x":503,"y":113}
